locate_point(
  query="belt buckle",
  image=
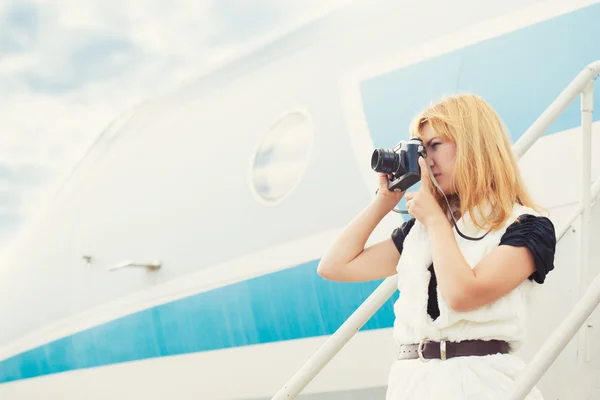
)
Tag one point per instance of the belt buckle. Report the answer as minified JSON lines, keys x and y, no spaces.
{"x":420,"y":350}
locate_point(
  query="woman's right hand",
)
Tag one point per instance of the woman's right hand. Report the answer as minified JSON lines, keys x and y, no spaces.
{"x":384,"y":196}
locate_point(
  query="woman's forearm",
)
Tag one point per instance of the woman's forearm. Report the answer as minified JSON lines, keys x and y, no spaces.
{"x":354,"y":237}
{"x":454,"y":276}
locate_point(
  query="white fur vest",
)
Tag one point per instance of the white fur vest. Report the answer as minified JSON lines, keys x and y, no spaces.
{"x":504,"y":319}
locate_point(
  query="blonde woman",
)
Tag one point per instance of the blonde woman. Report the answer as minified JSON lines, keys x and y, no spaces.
{"x":468,"y":259}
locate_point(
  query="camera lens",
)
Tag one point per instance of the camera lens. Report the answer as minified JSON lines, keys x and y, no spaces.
{"x":385,"y":161}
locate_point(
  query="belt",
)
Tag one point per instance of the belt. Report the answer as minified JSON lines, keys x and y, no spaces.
{"x":427,"y":349}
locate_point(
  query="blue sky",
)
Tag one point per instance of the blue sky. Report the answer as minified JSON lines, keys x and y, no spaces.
{"x":68,"y":67}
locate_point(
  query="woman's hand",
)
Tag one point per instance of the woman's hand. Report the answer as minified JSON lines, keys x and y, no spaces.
{"x":384,"y":196}
{"x":422,"y":204}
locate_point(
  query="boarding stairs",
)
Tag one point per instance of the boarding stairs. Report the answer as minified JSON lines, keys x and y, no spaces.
{"x":589,"y":299}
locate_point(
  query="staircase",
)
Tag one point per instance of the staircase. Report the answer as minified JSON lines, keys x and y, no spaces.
{"x":576,"y":322}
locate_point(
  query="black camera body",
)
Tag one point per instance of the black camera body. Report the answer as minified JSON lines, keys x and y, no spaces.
{"x":402,"y":162}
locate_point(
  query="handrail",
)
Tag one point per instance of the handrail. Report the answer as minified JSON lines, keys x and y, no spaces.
{"x":338,"y":340}
{"x":590,"y":298}
{"x":562,"y":335}
{"x":537,"y":129}
{"x":556,"y":343}
{"x":385,"y":290}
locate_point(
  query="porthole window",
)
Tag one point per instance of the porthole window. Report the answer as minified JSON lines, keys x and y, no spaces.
{"x":282,"y":155}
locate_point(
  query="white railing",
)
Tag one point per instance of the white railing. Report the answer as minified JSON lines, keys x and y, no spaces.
{"x":582,"y":84}
{"x":590,"y":298}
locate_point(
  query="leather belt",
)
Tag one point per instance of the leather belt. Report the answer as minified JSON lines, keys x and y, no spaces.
{"x":427,"y":350}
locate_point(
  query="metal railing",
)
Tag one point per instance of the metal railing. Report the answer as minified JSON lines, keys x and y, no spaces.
{"x":582,"y":84}
{"x":590,"y":294}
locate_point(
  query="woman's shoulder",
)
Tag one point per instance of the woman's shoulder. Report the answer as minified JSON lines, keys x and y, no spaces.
{"x":536,"y":232}
{"x":520,"y":209}
{"x":529,"y":220}
{"x":531,"y":226}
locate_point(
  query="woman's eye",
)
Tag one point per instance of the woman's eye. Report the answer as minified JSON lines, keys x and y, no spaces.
{"x":433,"y":146}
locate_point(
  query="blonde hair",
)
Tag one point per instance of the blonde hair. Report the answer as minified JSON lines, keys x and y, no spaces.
{"x":486,"y":170}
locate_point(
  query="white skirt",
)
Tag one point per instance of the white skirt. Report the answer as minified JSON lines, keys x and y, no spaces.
{"x":461,"y":378}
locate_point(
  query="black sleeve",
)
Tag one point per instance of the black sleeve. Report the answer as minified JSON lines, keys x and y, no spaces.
{"x":537,"y":234}
{"x":400,"y":233}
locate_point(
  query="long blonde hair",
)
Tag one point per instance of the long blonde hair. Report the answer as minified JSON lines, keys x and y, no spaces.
{"x":486,"y":170}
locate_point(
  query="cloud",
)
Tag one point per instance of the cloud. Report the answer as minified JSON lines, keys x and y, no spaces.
{"x":18,"y":28}
{"x":96,"y":59}
{"x":69,"y":67}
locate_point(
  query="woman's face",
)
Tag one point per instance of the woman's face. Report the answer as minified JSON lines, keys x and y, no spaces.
{"x":441,"y":157}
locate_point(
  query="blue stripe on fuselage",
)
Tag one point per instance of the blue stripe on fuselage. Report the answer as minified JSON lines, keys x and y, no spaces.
{"x":520,"y":74}
{"x":290,"y":304}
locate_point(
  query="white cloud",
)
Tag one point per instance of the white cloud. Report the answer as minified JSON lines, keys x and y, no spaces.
{"x":67,"y":68}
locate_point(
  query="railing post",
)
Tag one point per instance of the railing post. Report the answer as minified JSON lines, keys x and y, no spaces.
{"x":587,"y":106}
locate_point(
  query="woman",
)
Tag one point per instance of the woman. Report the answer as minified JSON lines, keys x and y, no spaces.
{"x":467,"y":261}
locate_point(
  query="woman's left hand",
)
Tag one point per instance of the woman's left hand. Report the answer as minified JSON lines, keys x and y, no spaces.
{"x":422,"y":204}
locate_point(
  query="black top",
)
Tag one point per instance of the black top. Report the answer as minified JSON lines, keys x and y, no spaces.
{"x":535,"y":233}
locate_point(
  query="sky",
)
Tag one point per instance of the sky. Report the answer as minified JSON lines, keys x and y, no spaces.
{"x":69,"y":67}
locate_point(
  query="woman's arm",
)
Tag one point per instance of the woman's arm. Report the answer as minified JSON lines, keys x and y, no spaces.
{"x":465,"y":289}
{"x":348,"y":261}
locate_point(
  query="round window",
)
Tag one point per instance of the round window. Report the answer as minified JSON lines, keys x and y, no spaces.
{"x":282,"y":156}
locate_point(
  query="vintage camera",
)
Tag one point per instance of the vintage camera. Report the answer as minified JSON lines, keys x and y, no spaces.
{"x":402,"y":162}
